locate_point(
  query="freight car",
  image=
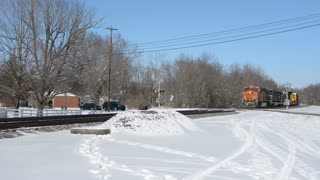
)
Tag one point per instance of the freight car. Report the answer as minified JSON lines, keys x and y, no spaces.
{"x":255,"y":96}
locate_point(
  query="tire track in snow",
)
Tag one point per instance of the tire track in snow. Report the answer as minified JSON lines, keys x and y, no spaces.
{"x":291,"y":162}
{"x":304,"y":147}
{"x":288,"y":164}
{"x":164,"y":149}
{"x":248,"y":142}
{"x":260,"y":165}
{"x":102,"y":164}
{"x":198,"y":163}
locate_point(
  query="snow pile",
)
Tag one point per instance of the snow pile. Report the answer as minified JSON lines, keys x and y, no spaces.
{"x":150,"y":123}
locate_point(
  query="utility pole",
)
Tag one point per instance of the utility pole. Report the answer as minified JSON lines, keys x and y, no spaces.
{"x":159,"y":94}
{"x":110,"y":62}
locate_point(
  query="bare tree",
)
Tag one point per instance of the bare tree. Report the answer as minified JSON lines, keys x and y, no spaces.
{"x":310,"y":94}
{"x":13,"y":81}
{"x":51,"y":34}
{"x":122,"y":66}
{"x":14,"y":42}
{"x":143,"y":85}
{"x":194,"y":82}
{"x":94,"y":76}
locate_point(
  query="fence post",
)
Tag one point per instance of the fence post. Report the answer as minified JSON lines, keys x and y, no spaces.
{"x":20,"y":111}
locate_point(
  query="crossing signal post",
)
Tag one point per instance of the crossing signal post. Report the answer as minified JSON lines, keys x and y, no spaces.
{"x":159,"y":94}
{"x":160,"y":91}
{"x":287,"y":101}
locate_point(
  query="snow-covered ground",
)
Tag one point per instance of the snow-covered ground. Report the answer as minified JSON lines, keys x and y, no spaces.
{"x":248,"y":145}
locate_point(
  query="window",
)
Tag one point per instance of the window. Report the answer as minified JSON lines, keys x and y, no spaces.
{"x":255,"y":89}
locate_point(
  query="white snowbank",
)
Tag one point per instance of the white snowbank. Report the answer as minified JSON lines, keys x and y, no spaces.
{"x":150,"y":123}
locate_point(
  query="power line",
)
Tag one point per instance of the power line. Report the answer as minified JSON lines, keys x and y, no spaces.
{"x":228,"y":37}
{"x":275,"y":23}
{"x":226,"y":41}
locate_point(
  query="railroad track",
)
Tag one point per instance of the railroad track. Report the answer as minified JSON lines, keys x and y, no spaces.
{"x":292,"y":112}
{"x":281,"y":109}
{"x":12,"y":123}
{"x":205,"y":111}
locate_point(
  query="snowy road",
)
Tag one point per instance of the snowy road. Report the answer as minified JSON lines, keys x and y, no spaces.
{"x":248,"y":145}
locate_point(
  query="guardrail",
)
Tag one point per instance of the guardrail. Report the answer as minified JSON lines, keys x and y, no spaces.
{"x":28,"y":112}
{"x":3,"y":113}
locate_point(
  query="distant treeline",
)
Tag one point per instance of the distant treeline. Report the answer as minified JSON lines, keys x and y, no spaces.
{"x":310,"y":94}
{"x":195,"y":82}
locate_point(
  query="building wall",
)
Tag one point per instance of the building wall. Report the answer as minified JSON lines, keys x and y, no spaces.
{"x":5,"y":101}
{"x":61,"y":101}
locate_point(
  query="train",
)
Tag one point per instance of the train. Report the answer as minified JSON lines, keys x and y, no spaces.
{"x":255,"y":96}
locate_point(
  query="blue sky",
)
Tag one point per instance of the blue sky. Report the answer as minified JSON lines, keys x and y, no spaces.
{"x":292,"y":57}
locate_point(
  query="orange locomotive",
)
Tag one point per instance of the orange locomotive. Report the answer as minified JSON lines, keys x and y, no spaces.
{"x":262,"y":97}
{"x":251,"y":95}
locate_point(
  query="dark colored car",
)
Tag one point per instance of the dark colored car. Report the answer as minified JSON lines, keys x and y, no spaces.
{"x":114,"y":106}
{"x":90,"y":106}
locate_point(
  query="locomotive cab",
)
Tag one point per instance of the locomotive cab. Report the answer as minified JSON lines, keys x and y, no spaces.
{"x":251,"y":95}
{"x":294,"y":98}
